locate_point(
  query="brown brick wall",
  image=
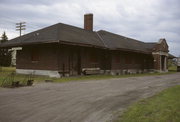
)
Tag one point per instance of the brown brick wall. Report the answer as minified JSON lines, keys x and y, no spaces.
{"x":130,"y":60}
{"x":62,"y":58}
{"x":161,"y":47}
{"x":156,"y":61}
{"x":69,"y":58}
{"x":65,"y":58}
{"x":91,"y":57}
{"x":47,"y":58}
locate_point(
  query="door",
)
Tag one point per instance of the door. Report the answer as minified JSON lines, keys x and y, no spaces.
{"x":162,"y":63}
{"x":74,"y":62}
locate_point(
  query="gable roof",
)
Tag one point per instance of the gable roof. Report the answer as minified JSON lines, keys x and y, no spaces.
{"x":63,"y":33}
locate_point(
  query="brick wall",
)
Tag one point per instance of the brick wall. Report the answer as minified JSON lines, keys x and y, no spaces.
{"x":129,"y":60}
{"x":62,"y":58}
{"x":71,"y":59}
{"x":47,"y":58}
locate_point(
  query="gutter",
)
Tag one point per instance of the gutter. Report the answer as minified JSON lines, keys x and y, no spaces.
{"x":129,"y":50}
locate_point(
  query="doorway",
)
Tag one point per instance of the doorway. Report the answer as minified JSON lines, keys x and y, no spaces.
{"x":163,"y":63}
{"x":74,"y":62}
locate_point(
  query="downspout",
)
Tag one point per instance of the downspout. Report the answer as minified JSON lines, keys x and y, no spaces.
{"x":160,"y":63}
{"x":165,"y":67}
{"x":58,"y":57}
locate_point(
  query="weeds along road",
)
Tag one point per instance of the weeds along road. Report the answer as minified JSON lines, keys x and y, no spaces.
{"x":84,"y":101}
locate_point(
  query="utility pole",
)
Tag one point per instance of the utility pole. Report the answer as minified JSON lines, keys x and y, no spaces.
{"x":20,"y":26}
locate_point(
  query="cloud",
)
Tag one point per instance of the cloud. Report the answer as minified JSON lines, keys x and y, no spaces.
{"x":145,"y":20}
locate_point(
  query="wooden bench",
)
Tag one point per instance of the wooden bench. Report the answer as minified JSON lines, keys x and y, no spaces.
{"x":91,"y":71}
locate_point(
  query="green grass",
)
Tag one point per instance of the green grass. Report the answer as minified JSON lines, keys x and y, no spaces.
{"x":8,"y":69}
{"x":163,"y":107}
{"x":172,"y":68}
{"x":5,"y":71}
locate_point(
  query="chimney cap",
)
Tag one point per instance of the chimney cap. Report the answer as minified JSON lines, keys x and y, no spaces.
{"x":88,"y":14}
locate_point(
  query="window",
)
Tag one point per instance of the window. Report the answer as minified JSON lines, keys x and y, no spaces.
{"x":117,"y":59}
{"x":93,"y":57}
{"x":34,"y":55}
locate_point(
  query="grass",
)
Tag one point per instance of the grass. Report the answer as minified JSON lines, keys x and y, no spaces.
{"x":172,"y":68}
{"x":5,"y":71}
{"x":163,"y":107}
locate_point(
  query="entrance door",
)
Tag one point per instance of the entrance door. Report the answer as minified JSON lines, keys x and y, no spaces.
{"x":74,"y":62}
{"x":162,"y":63}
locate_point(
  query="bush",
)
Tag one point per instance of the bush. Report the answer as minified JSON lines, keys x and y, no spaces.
{"x":5,"y":57}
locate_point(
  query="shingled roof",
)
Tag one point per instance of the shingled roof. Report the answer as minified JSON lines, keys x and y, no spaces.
{"x":118,"y":42}
{"x":55,"y":34}
{"x":63,"y":33}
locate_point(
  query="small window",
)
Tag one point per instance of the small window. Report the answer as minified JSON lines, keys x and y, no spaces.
{"x":117,"y":59}
{"x":93,"y":57}
{"x":34,"y":55}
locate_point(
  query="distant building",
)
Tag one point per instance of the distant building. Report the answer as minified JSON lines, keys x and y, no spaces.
{"x":63,"y":50}
{"x":178,"y":61}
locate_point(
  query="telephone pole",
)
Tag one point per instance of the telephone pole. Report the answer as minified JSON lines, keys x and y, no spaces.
{"x":20,"y":26}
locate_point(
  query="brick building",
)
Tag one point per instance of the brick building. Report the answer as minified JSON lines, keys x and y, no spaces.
{"x":63,"y":50}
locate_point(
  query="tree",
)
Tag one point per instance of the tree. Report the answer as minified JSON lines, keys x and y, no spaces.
{"x":5,"y":54}
{"x":4,"y":38}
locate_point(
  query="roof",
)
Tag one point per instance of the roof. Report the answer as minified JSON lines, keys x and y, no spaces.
{"x":57,"y":33}
{"x":114,"y":41}
{"x":63,"y":33}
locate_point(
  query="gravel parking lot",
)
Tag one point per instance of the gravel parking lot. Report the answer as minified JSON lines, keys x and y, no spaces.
{"x":84,"y":101}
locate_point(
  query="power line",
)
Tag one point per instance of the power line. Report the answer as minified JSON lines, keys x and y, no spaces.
{"x":8,"y":19}
{"x":32,"y":26}
{"x":11,"y":20}
{"x":20,"y":26}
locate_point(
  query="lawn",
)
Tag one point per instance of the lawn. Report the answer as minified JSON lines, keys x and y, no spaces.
{"x":172,"y":68}
{"x":6,"y":71}
{"x":163,"y":107}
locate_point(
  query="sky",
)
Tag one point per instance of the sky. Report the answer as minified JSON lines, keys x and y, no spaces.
{"x":144,"y":20}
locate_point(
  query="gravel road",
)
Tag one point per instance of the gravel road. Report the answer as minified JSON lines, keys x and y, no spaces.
{"x":84,"y":101}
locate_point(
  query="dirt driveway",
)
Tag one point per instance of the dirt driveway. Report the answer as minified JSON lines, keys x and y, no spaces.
{"x":85,"y":101}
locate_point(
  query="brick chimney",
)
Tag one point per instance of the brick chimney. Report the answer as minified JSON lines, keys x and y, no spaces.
{"x":88,"y":22}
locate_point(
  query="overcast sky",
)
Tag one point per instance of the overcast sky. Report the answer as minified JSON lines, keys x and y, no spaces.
{"x":145,"y":20}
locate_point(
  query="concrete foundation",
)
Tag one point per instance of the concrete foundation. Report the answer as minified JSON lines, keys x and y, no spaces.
{"x":105,"y":72}
{"x":39,"y":72}
{"x":130,"y":71}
